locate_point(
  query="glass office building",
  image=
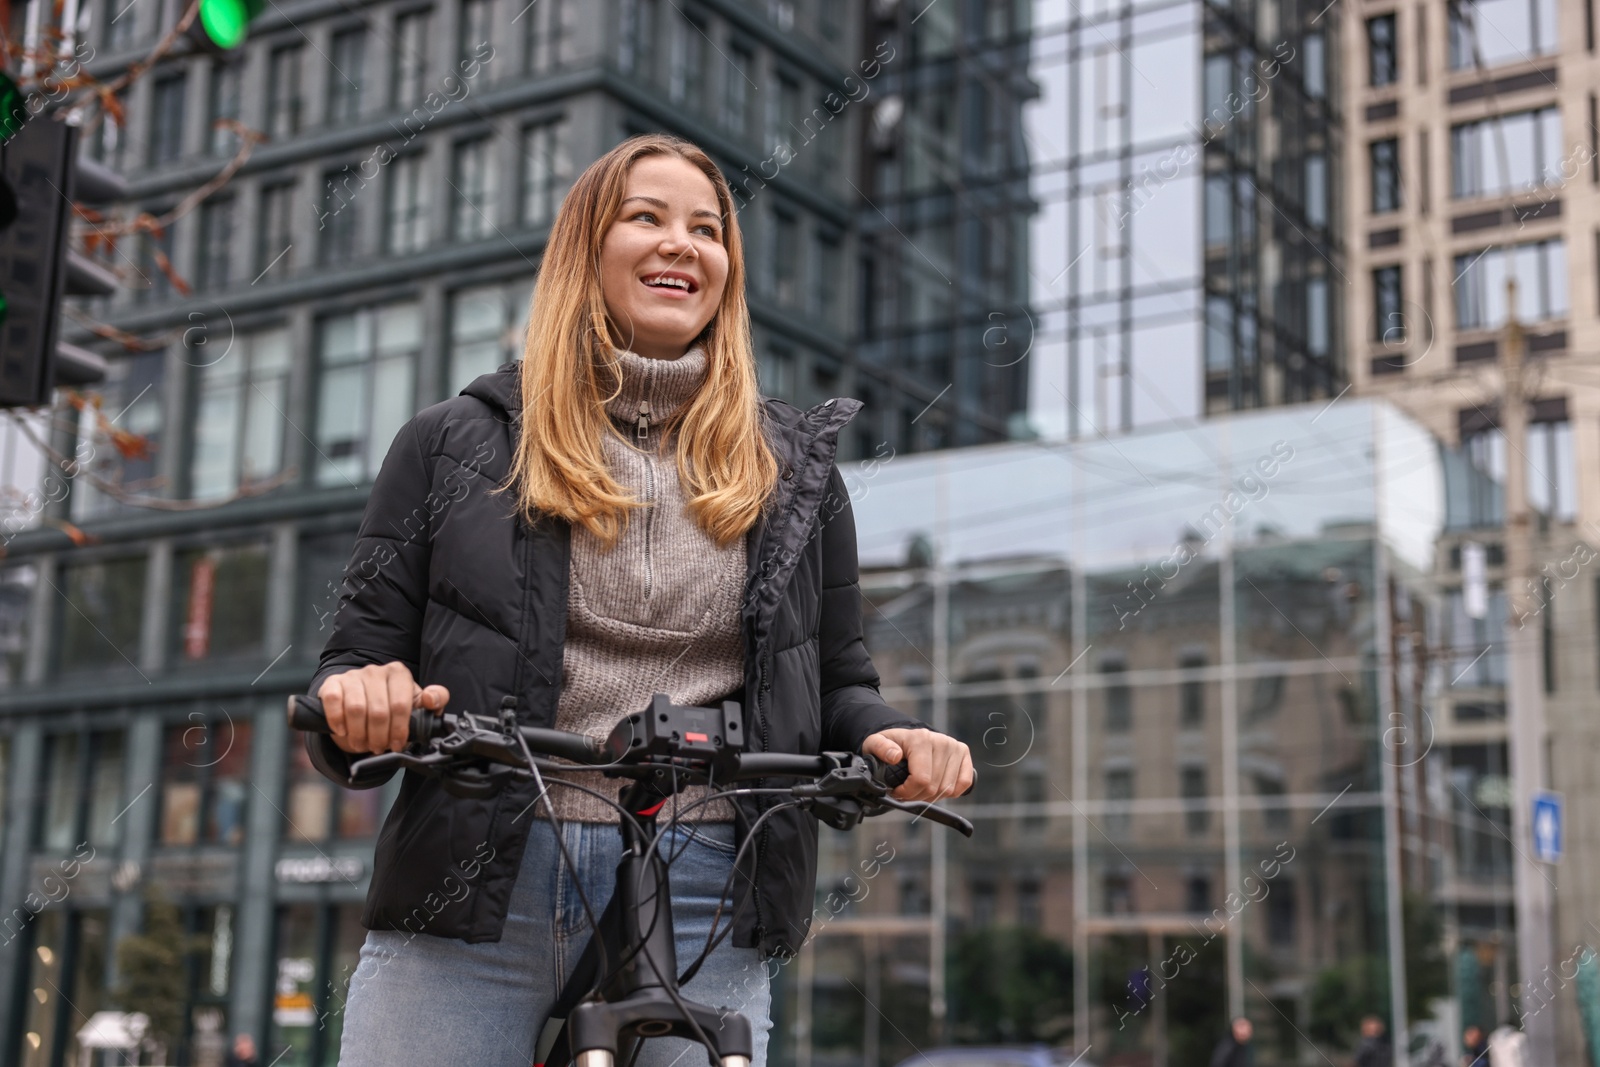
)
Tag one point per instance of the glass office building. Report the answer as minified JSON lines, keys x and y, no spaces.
{"x":1183,"y":252}
{"x":1106,"y":216}
{"x":1193,"y":667}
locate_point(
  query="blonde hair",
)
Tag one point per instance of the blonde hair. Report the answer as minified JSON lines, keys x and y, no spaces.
{"x":568,"y":373}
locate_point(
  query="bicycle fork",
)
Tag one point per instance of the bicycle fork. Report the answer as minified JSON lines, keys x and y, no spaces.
{"x":640,"y":999}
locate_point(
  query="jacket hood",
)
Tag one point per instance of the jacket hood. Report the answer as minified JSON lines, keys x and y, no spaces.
{"x":500,"y":388}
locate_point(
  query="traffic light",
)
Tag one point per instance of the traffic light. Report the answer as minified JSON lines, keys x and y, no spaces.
{"x":222,"y":25}
{"x":39,"y":177}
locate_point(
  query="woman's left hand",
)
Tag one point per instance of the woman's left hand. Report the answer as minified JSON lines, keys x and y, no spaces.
{"x":940,"y":765}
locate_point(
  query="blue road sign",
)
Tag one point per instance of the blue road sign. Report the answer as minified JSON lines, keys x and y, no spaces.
{"x":1547,"y":827}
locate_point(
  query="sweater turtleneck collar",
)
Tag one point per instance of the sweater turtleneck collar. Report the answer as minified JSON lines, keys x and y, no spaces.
{"x":656,"y":388}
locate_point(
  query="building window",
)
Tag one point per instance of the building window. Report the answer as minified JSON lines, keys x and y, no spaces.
{"x":1219,"y":209}
{"x":366,"y":388}
{"x":82,"y":791}
{"x":488,"y":326}
{"x":1318,"y":318}
{"x":1118,"y":893}
{"x":781,"y":108}
{"x":108,"y":137}
{"x":1191,"y":692}
{"x":101,"y":616}
{"x":1219,"y":335}
{"x":1118,"y":697}
{"x":1500,"y":31}
{"x":1119,"y":800}
{"x":226,"y":81}
{"x":240,"y":414}
{"x":1541,"y":271}
{"x":1479,"y":659}
{"x":1552,"y":474}
{"x":317,"y":810}
{"x":1385,"y":159}
{"x":323,"y":561}
{"x":546,"y":170}
{"x":122,"y":23}
{"x":1382,"y":51}
{"x":1197,"y":894}
{"x":636,"y":32}
{"x":1531,"y":160}
{"x":134,"y":388}
{"x":736,"y":90}
{"x":1280,"y":913}
{"x":274,"y":240}
{"x":829,"y":267}
{"x":473,"y":186}
{"x":476,"y":28}
{"x":1388,"y":314}
{"x":216,"y":244}
{"x":1317,"y":189}
{"x":685,"y":84}
{"x":1192,"y":787}
{"x":785,"y":252}
{"x":1479,"y":470}
{"x":1314,"y":72}
{"x":344,"y":75}
{"x":1274,"y":809}
{"x":776,"y":371}
{"x":205,"y":779}
{"x":411,"y":57}
{"x":547,"y":36}
{"x":338,"y":221}
{"x":17,"y":586}
{"x":166,"y":121}
{"x":285,"y":105}
{"x":219,"y":603}
{"x":407,"y":224}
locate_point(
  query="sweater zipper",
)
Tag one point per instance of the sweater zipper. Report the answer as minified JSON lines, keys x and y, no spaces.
{"x":649,"y":480}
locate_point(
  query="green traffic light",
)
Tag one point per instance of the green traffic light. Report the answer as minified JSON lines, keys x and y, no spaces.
{"x":13,"y":108}
{"x":4,"y":307}
{"x":227,"y":22}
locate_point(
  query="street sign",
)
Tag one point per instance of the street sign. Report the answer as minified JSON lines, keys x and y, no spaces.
{"x":1547,"y":827}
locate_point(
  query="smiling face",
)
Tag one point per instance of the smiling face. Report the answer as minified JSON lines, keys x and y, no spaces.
{"x":663,"y":265}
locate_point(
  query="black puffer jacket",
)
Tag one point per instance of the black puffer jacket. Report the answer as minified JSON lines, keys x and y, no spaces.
{"x":445,"y":579}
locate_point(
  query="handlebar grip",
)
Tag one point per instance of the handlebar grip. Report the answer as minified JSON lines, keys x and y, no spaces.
{"x":892,"y":775}
{"x":306,"y":714}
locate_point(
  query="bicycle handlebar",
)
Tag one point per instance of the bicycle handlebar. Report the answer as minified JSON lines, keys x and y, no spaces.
{"x":633,"y":750}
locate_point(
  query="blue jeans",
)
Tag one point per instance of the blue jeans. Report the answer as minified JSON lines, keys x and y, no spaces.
{"x":421,"y":1001}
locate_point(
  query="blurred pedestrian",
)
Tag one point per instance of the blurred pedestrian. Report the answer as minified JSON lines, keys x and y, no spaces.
{"x":1234,"y":1050}
{"x":244,"y":1052}
{"x":1373,"y":1051}
{"x":1474,"y":1048}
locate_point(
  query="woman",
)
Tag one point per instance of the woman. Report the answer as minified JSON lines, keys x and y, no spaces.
{"x":617,"y":514}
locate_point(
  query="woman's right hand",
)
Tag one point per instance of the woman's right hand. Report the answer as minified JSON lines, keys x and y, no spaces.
{"x":369,"y":708}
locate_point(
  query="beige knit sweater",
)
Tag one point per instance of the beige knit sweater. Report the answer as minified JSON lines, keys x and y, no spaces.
{"x":658,"y":612}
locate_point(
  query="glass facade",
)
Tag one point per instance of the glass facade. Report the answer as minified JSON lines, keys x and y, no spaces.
{"x":1176,"y":657}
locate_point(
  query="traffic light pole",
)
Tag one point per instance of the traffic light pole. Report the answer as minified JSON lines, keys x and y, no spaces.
{"x":1525,"y":733}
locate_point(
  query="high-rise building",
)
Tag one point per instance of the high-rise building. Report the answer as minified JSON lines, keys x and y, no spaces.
{"x":1471,"y":159}
{"x":374,"y":253}
{"x":1184,"y":256}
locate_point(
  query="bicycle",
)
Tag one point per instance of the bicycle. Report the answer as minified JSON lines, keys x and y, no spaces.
{"x":626,"y":985}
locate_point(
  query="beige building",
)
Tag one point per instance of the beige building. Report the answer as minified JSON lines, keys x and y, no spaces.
{"x":1470,"y":156}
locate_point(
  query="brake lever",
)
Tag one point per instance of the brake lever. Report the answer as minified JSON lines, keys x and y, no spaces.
{"x":384,"y":761}
{"x":921,"y":809}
